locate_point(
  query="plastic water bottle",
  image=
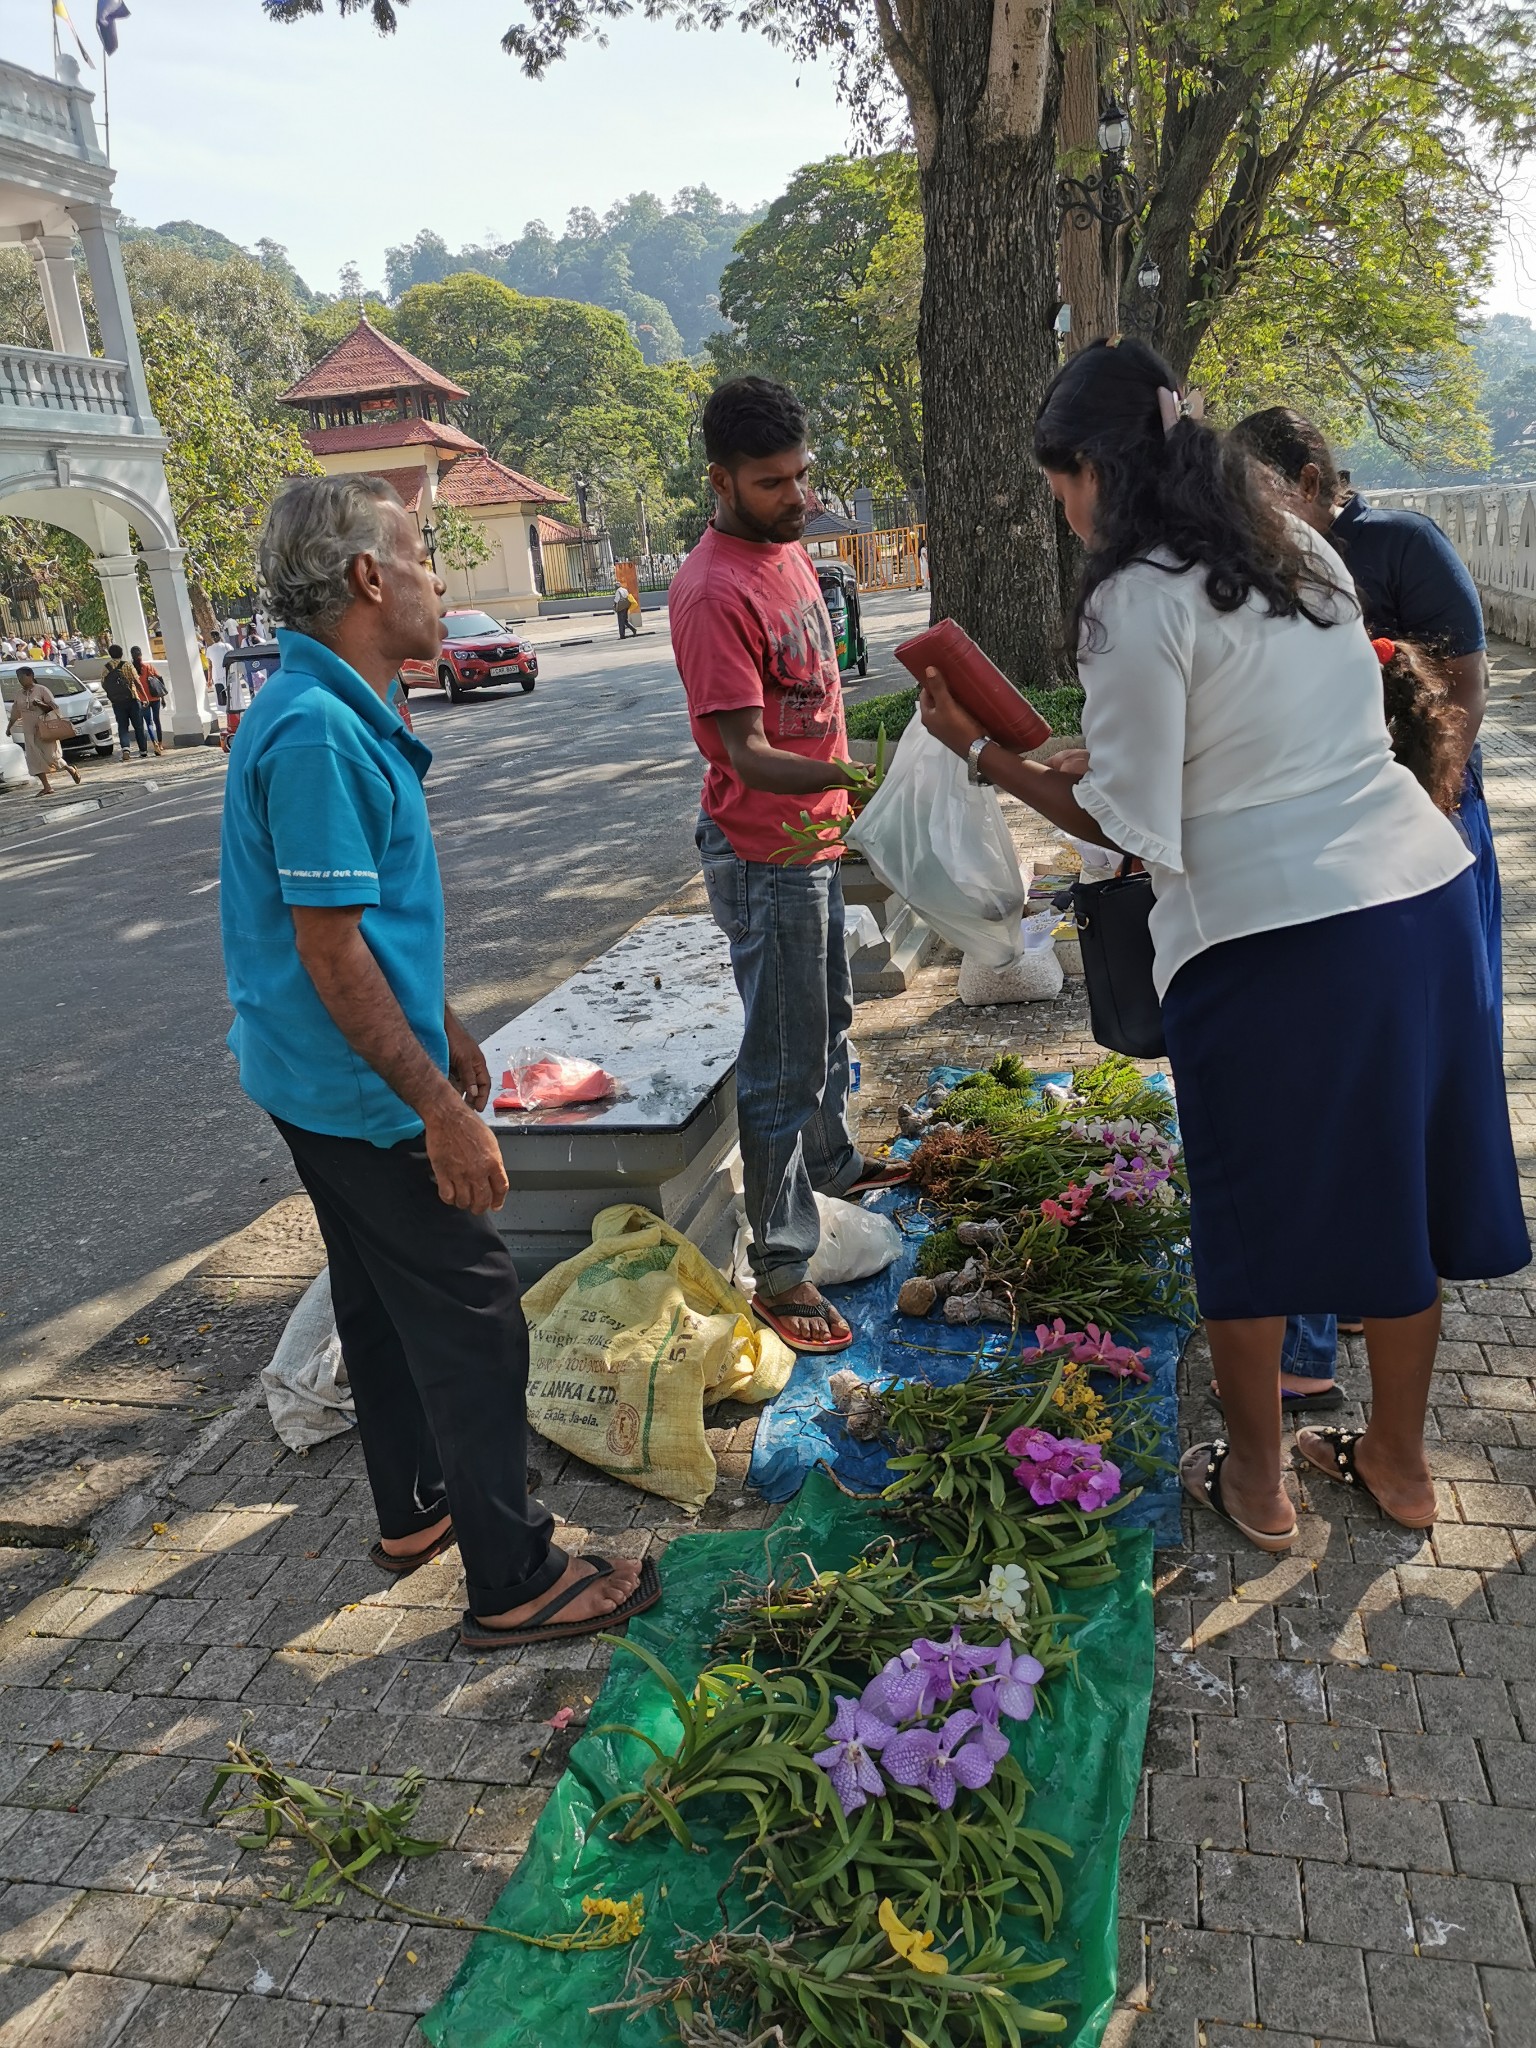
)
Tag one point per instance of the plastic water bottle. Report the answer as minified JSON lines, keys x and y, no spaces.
{"x":854,"y":1064}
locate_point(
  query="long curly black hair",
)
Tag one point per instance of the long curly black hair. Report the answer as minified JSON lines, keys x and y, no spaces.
{"x":1190,"y":493}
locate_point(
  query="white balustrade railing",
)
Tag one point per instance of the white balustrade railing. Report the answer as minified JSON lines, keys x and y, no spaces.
{"x":36,"y":380}
{"x":1493,"y":529}
{"x":38,"y":109}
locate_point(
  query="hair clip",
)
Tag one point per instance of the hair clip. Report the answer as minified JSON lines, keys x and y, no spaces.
{"x":1386,"y":651}
{"x":1174,"y":408}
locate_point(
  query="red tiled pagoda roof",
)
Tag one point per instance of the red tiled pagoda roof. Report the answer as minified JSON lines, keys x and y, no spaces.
{"x":482,"y":480}
{"x":560,"y":529}
{"x":406,"y":483}
{"x":366,"y":362}
{"x":388,"y":434}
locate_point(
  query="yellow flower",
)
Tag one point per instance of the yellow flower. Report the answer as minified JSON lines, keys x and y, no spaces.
{"x":910,"y":1945}
{"x":627,"y":1916}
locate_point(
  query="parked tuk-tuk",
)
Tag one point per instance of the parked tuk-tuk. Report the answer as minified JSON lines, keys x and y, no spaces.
{"x":246,"y":669}
{"x":840,"y":591}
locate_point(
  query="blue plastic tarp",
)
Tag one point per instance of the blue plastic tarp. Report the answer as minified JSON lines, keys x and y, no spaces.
{"x":802,"y":1429}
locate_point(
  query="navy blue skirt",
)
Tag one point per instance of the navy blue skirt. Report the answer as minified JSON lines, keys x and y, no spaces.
{"x":1341,"y":1097}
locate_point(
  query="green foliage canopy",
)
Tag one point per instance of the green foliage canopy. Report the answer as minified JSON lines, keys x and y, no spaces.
{"x":824,"y":295}
{"x":225,"y":460}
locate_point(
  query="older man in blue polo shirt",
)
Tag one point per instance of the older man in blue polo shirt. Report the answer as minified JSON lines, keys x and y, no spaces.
{"x":333,"y":948}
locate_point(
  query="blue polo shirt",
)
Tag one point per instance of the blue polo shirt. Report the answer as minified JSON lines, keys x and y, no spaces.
{"x":324,"y":805}
{"x":1412,"y":582}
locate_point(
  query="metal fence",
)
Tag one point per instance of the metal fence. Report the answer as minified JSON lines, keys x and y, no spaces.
{"x":893,"y":558}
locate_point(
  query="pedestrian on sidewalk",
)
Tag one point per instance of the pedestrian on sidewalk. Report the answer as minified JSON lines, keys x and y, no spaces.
{"x":213,"y":654}
{"x":1315,"y":916}
{"x":151,"y":694}
{"x":1412,"y":586}
{"x":754,"y":647}
{"x":34,"y":704}
{"x":333,"y":947}
{"x":622,"y":602}
{"x":122,"y":688}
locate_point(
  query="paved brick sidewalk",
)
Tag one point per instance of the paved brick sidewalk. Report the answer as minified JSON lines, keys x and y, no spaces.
{"x":1338,"y":1837}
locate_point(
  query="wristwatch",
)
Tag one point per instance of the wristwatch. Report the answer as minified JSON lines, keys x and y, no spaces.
{"x":973,"y":772}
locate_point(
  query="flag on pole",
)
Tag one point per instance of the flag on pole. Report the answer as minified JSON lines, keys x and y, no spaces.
{"x":61,"y":13}
{"x":108,"y":14}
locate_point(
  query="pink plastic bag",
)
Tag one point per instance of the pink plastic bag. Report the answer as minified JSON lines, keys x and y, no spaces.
{"x":549,"y":1080}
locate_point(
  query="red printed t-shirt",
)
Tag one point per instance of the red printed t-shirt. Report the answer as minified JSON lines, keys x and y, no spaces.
{"x":749,"y":628}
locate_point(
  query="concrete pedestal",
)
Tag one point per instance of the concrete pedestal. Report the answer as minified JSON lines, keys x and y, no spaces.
{"x":906,"y":942}
{"x":660,"y":1011}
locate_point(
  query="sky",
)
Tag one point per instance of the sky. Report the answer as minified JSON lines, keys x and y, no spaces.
{"x":339,"y":142}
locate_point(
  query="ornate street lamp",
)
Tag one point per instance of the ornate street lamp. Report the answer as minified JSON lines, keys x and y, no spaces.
{"x":429,"y":535}
{"x":1148,"y":276}
{"x":1113,"y":194}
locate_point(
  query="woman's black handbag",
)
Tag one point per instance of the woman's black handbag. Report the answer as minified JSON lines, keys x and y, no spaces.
{"x":1123,"y":1009}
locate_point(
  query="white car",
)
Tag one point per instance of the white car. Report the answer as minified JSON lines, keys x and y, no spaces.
{"x":83,"y":704}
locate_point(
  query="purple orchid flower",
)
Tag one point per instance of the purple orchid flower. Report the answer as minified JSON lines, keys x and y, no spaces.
{"x":941,"y":1760}
{"x":906,"y":1688}
{"x":1061,"y":1468}
{"x":1012,"y":1691}
{"x":848,"y":1762}
{"x":922,"y":1678}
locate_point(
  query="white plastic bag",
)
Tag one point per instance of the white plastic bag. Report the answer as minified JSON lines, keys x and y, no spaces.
{"x":940,"y":842}
{"x":855,"y":1242}
{"x":861,"y":928}
{"x":308,"y":1396}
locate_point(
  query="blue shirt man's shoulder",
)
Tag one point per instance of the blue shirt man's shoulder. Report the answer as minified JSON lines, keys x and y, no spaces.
{"x":1411,"y":579}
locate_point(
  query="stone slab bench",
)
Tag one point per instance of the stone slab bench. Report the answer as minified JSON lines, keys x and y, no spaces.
{"x":660,"y":1011}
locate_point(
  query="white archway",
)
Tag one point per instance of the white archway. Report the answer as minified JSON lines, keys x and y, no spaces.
{"x":100,"y":509}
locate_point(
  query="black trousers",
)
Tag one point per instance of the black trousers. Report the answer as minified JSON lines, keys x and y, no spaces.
{"x":131,"y":715}
{"x":436,"y":1349}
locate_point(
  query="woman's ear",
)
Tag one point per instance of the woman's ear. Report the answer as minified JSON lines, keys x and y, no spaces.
{"x":1310,"y":481}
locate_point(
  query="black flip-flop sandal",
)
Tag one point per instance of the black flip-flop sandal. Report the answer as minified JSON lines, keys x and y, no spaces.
{"x":399,"y":1567}
{"x":817,"y":1311}
{"x":1200,"y":1477}
{"x":1344,"y":1471}
{"x":541,"y":1628}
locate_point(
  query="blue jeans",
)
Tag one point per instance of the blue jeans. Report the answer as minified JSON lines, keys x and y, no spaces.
{"x":1311,"y":1344}
{"x":785,"y":926}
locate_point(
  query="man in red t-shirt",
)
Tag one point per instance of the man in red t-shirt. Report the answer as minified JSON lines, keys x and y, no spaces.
{"x":755,"y":651}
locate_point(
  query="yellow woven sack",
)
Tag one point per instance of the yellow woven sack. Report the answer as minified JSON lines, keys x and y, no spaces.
{"x":631,"y":1341}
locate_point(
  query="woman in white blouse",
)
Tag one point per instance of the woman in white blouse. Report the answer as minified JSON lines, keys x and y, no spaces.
{"x":1326,"y":999}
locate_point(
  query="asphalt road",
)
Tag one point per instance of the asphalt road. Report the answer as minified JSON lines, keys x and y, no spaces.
{"x":561,"y":818}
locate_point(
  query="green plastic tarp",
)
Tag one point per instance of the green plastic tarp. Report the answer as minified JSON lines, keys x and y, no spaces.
{"x":1082,"y":1756}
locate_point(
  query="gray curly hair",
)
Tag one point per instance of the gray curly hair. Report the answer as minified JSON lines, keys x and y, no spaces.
{"x":316,"y":529}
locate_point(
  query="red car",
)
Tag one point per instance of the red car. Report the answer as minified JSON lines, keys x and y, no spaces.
{"x":477,"y":654}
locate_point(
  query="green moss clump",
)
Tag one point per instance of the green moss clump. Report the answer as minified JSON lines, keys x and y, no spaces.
{"x":941,"y":1252}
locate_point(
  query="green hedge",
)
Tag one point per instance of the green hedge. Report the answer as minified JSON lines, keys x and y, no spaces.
{"x":1061,"y":708}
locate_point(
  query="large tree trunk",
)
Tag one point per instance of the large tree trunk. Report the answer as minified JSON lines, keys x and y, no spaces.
{"x":1088,"y":256}
{"x":204,"y":617}
{"x":987,"y":161}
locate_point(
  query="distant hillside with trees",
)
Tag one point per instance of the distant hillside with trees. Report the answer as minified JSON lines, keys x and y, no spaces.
{"x":658,"y":266}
